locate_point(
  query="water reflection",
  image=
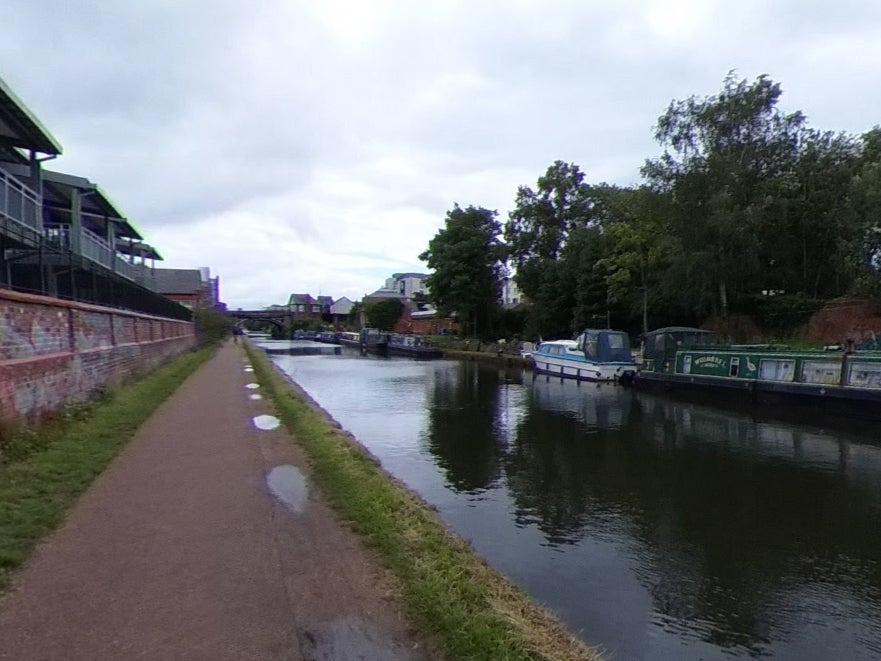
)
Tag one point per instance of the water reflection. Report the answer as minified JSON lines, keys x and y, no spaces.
{"x":657,"y":529}
{"x":469,"y":424}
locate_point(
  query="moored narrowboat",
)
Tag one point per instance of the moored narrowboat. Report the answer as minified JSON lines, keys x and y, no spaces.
{"x":681,"y":359}
{"x":412,"y":346}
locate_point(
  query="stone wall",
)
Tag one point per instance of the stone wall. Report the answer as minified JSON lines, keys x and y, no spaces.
{"x":54,"y":352}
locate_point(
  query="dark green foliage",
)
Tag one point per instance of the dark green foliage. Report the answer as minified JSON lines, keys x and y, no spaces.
{"x":383,"y":314}
{"x":778,"y":315}
{"x":354,"y":318}
{"x":212,"y":326}
{"x":746,"y":211}
{"x":467,"y":260}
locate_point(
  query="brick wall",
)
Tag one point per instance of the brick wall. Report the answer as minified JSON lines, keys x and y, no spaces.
{"x":406,"y":324}
{"x":53,"y":352}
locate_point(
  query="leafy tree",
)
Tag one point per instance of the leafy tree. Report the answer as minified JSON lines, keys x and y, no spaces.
{"x":723,"y":155}
{"x":212,"y":326}
{"x":383,"y":314}
{"x":554,"y":277}
{"x":638,"y":248}
{"x":467,"y":260}
{"x":542,"y":219}
{"x":354,"y":318}
{"x":864,"y":195}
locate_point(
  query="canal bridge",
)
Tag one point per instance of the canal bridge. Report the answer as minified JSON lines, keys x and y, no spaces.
{"x":276,"y":317}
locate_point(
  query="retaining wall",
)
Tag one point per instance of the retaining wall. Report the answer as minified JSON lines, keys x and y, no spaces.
{"x":54,"y":352}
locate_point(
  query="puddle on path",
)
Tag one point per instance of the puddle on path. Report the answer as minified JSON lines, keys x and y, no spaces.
{"x":249,"y":369}
{"x":255,"y":395}
{"x":350,"y":638}
{"x":288,"y":484}
{"x":266,"y":422}
{"x":252,"y":386}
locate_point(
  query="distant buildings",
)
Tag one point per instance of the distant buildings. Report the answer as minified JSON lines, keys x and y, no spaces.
{"x":192,"y":288}
{"x":511,"y":296}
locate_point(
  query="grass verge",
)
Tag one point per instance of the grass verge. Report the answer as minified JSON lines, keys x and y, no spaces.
{"x":473,"y":610}
{"x":52,"y":466}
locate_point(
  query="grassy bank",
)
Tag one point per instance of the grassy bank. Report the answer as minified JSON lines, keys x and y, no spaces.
{"x":473,"y":610}
{"x":43,"y":471}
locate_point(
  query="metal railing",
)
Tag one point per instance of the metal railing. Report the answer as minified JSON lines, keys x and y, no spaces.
{"x":18,"y":202}
{"x":97,"y":249}
{"x":92,"y":247}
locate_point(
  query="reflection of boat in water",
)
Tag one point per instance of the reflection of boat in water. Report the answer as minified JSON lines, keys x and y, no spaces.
{"x":601,"y":405}
{"x":299,"y":347}
{"x":687,"y":360}
{"x":597,"y":355}
{"x":675,"y":424}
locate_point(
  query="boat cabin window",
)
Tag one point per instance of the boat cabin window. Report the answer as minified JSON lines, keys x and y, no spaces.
{"x":776,"y":369}
{"x":827,"y":372}
{"x":590,"y":346}
{"x":735,"y":366}
{"x":864,"y":374}
{"x":616,"y":340}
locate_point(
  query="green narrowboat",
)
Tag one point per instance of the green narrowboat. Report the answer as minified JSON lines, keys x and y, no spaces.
{"x":688,"y":359}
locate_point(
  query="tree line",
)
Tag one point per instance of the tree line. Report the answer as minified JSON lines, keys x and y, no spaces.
{"x":746,"y":211}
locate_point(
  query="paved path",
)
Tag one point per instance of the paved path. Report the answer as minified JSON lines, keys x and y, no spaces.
{"x":184,"y":549}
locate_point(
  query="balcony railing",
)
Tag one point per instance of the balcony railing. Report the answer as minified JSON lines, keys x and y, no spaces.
{"x":92,"y":247}
{"x":18,"y":202}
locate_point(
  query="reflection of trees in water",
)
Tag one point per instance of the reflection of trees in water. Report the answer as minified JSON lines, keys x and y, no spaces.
{"x":751,"y":522}
{"x":463,"y":433}
{"x":548,"y":469}
{"x":723,"y":527}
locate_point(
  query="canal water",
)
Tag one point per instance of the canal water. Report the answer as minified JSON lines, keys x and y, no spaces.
{"x":655,"y":529}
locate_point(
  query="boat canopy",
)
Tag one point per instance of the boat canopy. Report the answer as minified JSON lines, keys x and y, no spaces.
{"x":606,"y":346}
{"x":662,"y":344}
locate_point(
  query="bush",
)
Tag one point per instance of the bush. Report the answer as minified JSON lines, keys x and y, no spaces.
{"x":782,"y":313}
{"x":212,"y":326}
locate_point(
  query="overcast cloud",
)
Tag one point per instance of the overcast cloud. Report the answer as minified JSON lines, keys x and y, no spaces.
{"x":315,"y":147}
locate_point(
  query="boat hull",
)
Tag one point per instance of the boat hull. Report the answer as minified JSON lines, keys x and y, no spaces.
{"x":581,"y":370}
{"x":419,"y":353}
{"x":820,"y":398}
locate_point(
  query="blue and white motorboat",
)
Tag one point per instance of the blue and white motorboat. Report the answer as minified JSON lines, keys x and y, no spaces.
{"x":596,"y":355}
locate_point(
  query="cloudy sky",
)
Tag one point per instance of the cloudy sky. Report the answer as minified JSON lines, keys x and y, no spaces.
{"x":315,"y":146}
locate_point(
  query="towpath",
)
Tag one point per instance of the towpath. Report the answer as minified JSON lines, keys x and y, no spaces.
{"x":203,"y":540}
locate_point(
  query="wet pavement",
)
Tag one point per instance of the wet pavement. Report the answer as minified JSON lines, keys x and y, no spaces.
{"x":204,"y":540}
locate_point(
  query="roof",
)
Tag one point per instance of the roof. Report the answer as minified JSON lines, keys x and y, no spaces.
{"x":325,"y":300}
{"x":128,"y":246}
{"x":174,"y":281}
{"x":19,"y":127}
{"x":679,"y":329}
{"x":342,"y":306}
{"x":386,"y":293}
{"x":300,"y":298}
{"x":397,"y":276}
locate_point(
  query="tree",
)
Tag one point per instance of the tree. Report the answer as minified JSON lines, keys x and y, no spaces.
{"x":639,"y":246}
{"x":542,"y":219}
{"x":383,"y":314}
{"x":538,"y":232}
{"x":353,"y":321}
{"x":723,"y":154}
{"x":467,"y":260}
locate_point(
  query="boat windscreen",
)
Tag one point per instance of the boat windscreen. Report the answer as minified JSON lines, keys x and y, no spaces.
{"x":614,"y":347}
